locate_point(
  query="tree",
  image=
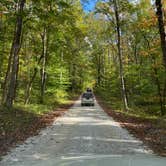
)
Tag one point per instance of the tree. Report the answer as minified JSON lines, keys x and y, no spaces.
{"x":111,"y":10}
{"x":123,"y":86}
{"x":161,"y":25}
{"x":13,"y":62}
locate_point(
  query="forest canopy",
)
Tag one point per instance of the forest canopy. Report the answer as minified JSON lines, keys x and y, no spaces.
{"x":52,"y":49}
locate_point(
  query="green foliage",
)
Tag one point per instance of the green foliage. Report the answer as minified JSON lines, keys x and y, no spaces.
{"x":62,"y":23}
{"x":141,"y":56}
{"x":81,"y":51}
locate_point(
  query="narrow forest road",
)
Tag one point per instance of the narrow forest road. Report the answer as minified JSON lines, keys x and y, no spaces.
{"x":84,"y":136}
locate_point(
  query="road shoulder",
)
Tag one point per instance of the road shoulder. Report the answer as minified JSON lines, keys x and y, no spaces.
{"x":11,"y":138}
{"x":148,"y":131}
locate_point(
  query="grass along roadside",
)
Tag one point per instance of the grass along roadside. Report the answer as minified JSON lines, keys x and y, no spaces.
{"x":24,"y":121}
{"x":150,"y":129}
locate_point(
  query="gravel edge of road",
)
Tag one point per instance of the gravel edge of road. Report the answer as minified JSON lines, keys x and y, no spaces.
{"x":146,"y":131}
{"x":34,"y":128}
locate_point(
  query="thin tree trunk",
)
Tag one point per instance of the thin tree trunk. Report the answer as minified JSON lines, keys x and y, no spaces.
{"x":43,"y":69}
{"x":123,"y":87}
{"x":135,"y":54}
{"x":159,"y":91}
{"x":99,"y":71}
{"x":61,"y":72}
{"x":74,"y":84}
{"x":14,"y":57}
{"x":29,"y":86}
{"x":43,"y":58}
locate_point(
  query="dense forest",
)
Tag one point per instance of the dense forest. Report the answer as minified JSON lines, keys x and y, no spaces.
{"x":50,"y":50}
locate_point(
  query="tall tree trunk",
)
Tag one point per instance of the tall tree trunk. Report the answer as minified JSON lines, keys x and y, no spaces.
{"x":14,"y":57}
{"x":161,"y":29}
{"x":8,"y":72}
{"x":73,"y":75}
{"x":123,"y":87}
{"x":160,"y":16}
{"x":7,"y":76}
{"x":61,"y":72}
{"x":43,"y":69}
{"x":2,"y":51}
{"x":99,"y":70}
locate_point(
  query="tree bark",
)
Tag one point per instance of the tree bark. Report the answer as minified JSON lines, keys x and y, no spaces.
{"x":99,"y":70}
{"x":43,"y":69}
{"x":29,"y":86}
{"x":14,"y":57}
{"x":160,"y":17}
{"x":7,"y":76}
{"x":3,"y":35}
{"x":61,"y":72}
{"x":123,"y":87}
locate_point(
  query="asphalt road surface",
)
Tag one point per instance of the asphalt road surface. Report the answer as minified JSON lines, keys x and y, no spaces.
{"x":85,"y":136}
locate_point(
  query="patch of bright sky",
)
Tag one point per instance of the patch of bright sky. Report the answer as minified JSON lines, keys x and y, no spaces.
{"x":88,"y":5}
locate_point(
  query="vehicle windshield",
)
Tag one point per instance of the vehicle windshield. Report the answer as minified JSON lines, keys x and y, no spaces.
{"x":87,"y":95}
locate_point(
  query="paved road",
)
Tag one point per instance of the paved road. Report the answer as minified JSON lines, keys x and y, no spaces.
{"x":85,"y":136}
